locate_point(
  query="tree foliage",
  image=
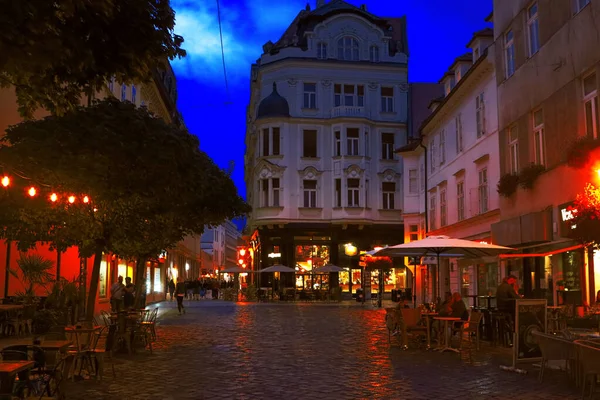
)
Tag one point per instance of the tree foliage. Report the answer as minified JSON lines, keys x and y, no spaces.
{"x":148,"y":182}
{"x":585,"y":224}
{"x":53,"y":51}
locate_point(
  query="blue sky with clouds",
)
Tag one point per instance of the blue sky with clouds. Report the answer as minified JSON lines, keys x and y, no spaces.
{"x":438,"y":31}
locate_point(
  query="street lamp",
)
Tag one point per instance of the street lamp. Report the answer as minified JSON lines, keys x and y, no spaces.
{"x":351,"y":250}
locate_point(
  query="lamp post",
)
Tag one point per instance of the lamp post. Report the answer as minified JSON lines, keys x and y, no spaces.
{"x":351,"y":250}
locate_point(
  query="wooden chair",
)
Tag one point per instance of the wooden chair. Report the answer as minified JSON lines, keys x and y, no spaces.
{"x":149,"y":323}
{"x":411,"y":323}
{"x":470,"y":327}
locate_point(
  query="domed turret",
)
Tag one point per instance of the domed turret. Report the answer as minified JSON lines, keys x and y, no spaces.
{"x":274,"y":105}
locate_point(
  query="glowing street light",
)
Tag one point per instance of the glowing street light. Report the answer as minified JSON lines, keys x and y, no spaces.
{"x":71,"y":199}
{"x":5,"y":181}
{"x":242,"y":252}
{"x":350,"y":249}
{"x":53,"y":197}
{"x":86,"y":199}
{"x":32,"y":192}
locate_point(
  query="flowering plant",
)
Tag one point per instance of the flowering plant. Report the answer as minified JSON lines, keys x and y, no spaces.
{"x":585,"y":224}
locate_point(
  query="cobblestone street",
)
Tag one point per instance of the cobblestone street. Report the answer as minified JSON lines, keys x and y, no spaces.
{"x":222,"y":350}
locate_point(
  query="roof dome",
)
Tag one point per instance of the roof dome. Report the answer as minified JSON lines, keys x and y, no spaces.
{"x":274,"y":105}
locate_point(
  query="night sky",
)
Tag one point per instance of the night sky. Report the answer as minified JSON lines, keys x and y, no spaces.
{"x":438,"y":31}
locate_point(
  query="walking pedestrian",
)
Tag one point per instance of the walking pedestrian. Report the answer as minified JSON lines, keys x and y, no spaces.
{"x":117,"y":291}
{"x":180,"y":291}
{"x":171,"y":288}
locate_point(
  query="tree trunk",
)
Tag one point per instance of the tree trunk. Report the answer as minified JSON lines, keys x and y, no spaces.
{"x":139,"y":281}
{"x":91,"y":303}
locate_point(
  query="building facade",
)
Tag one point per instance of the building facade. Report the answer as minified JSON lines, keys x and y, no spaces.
{"x":221,"y":242}
{"x":547,"y":64}
{"x":328,"y":107}
{"x":451,"y":170}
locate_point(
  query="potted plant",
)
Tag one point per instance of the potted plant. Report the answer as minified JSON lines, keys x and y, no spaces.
{"x":530,"y":174}
{"x":508,"y":184}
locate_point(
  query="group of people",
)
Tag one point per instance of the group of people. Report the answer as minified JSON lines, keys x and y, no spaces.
{"x":122,"y":296}
{"x":195,"y":290}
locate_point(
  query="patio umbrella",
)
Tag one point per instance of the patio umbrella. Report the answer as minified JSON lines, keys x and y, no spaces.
{"x":443,"y":246}
{"x":277,"y":268}
{"x":325,"y":269}
{"x":234,"y":270}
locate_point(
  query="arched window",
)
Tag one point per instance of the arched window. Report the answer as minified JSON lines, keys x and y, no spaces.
{"x":348,"y":49}
{"x":374,"y":54}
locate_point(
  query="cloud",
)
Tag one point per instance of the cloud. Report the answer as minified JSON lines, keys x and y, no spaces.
{"x":273,"y":17}
{"x":198,"y":23}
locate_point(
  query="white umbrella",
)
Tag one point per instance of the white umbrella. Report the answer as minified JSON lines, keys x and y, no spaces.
{"x":277,"y":268}
{"x":328,"y":268}
{"x":443,"y":246}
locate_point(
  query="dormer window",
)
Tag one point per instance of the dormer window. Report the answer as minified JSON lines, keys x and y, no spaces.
{"x":475,"y":54}
{"x":457,"y":74}
{"x":322,"y":51}
{"x":348,"y":49}
{"x":374,"y":54}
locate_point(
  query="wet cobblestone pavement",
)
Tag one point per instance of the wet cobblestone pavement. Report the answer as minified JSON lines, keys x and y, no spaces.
{"x":222,"y":350}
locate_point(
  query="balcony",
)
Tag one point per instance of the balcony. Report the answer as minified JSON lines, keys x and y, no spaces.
{"x":345,"y":111}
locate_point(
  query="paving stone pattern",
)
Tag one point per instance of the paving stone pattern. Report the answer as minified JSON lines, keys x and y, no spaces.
{"x":221,"y":350}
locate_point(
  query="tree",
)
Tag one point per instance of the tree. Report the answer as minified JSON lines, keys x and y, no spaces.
{"x":148,"y":183}
{"x":585,"y":224}
{"x":53,"y":51}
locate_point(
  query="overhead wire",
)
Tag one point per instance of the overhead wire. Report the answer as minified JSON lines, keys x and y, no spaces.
{"x":223,"y":51}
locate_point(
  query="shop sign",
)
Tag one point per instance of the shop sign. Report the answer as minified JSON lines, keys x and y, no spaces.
{"x":566,"y":214}
{"x":274,"y":255}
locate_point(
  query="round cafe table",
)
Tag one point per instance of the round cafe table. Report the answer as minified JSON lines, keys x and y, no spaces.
{"x":446,"y":346}
{"x":428,"y":316}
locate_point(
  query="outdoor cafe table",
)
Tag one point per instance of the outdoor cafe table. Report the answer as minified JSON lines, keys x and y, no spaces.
{"x":78,"y":332}
{"x":446,"y":346}
{"x":428,"y":316}
{"x":8,"y":371}
{"x":51,"y":347}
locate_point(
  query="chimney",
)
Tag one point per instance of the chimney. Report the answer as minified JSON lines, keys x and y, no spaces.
{"x":307,"y":7}
{"x":320,"y":3}
{"x":363,"y":7}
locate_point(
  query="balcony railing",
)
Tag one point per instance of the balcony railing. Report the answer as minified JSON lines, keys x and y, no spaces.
{"x":345,"y":111}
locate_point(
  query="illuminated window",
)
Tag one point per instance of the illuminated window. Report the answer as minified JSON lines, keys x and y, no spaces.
{"x":103,"y":278}
{"x":590,"y":104}
{"x":158,"y":287}
{"x":123,"y":92}
{"x":133,"y":94}
{"x":348,"y":49}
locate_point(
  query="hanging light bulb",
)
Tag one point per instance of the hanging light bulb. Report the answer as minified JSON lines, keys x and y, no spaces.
{"x":32,"y":191}
{"x":86,"y":199}
{"x":71,"y":199}
{"x":53,"y":197}
{"x":5,"y":181}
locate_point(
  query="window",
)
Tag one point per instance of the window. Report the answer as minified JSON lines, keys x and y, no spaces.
{"x":432,"y":211}
{"x":133,"y":93}
{"x":322,"y":51}
{"x":367,"y":143}
{"x":414,"y":232}
{"x":310,"y":193}
{"x":513,"y":150}
{"x":387,"y":146}
{"x":483,"y":191}
{"x":264,"y":193}
{"x":457,"y":74}
{"x":412,"y":181}
{"x":309,"y":143}
{"x":460,"y":200}
{"x":387,"y":99}
{"x":275,"y":191}
{"x":349,"y":95}
{"x":337,"y":145}
{"x":352,"y":135}
{"x":533,"y":29}
{"x":123,"y":92}
{"x":338,"y":193}
{"x":480,"y":115}
{"x":443,"y":208}
{"x":432,"y":154}
{"x":538,"y":137}
{"x":442,"y":148}
{"x":388,"y":189}
{"x":348,"y":49}
{"x":422,"y":175}
{"x":374,"y":54}
{"x":353,"y":192}
{"x":580,"y":4}
{"x":270,"y":142}
{"x":310,"y":95}
{"x":459,"y":133}
{"x":590,"y":100}
{"x":509,"y":53}
{"x":367,"y":193}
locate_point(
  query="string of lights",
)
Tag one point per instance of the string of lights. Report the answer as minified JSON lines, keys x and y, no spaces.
{"x":33,"y":191}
